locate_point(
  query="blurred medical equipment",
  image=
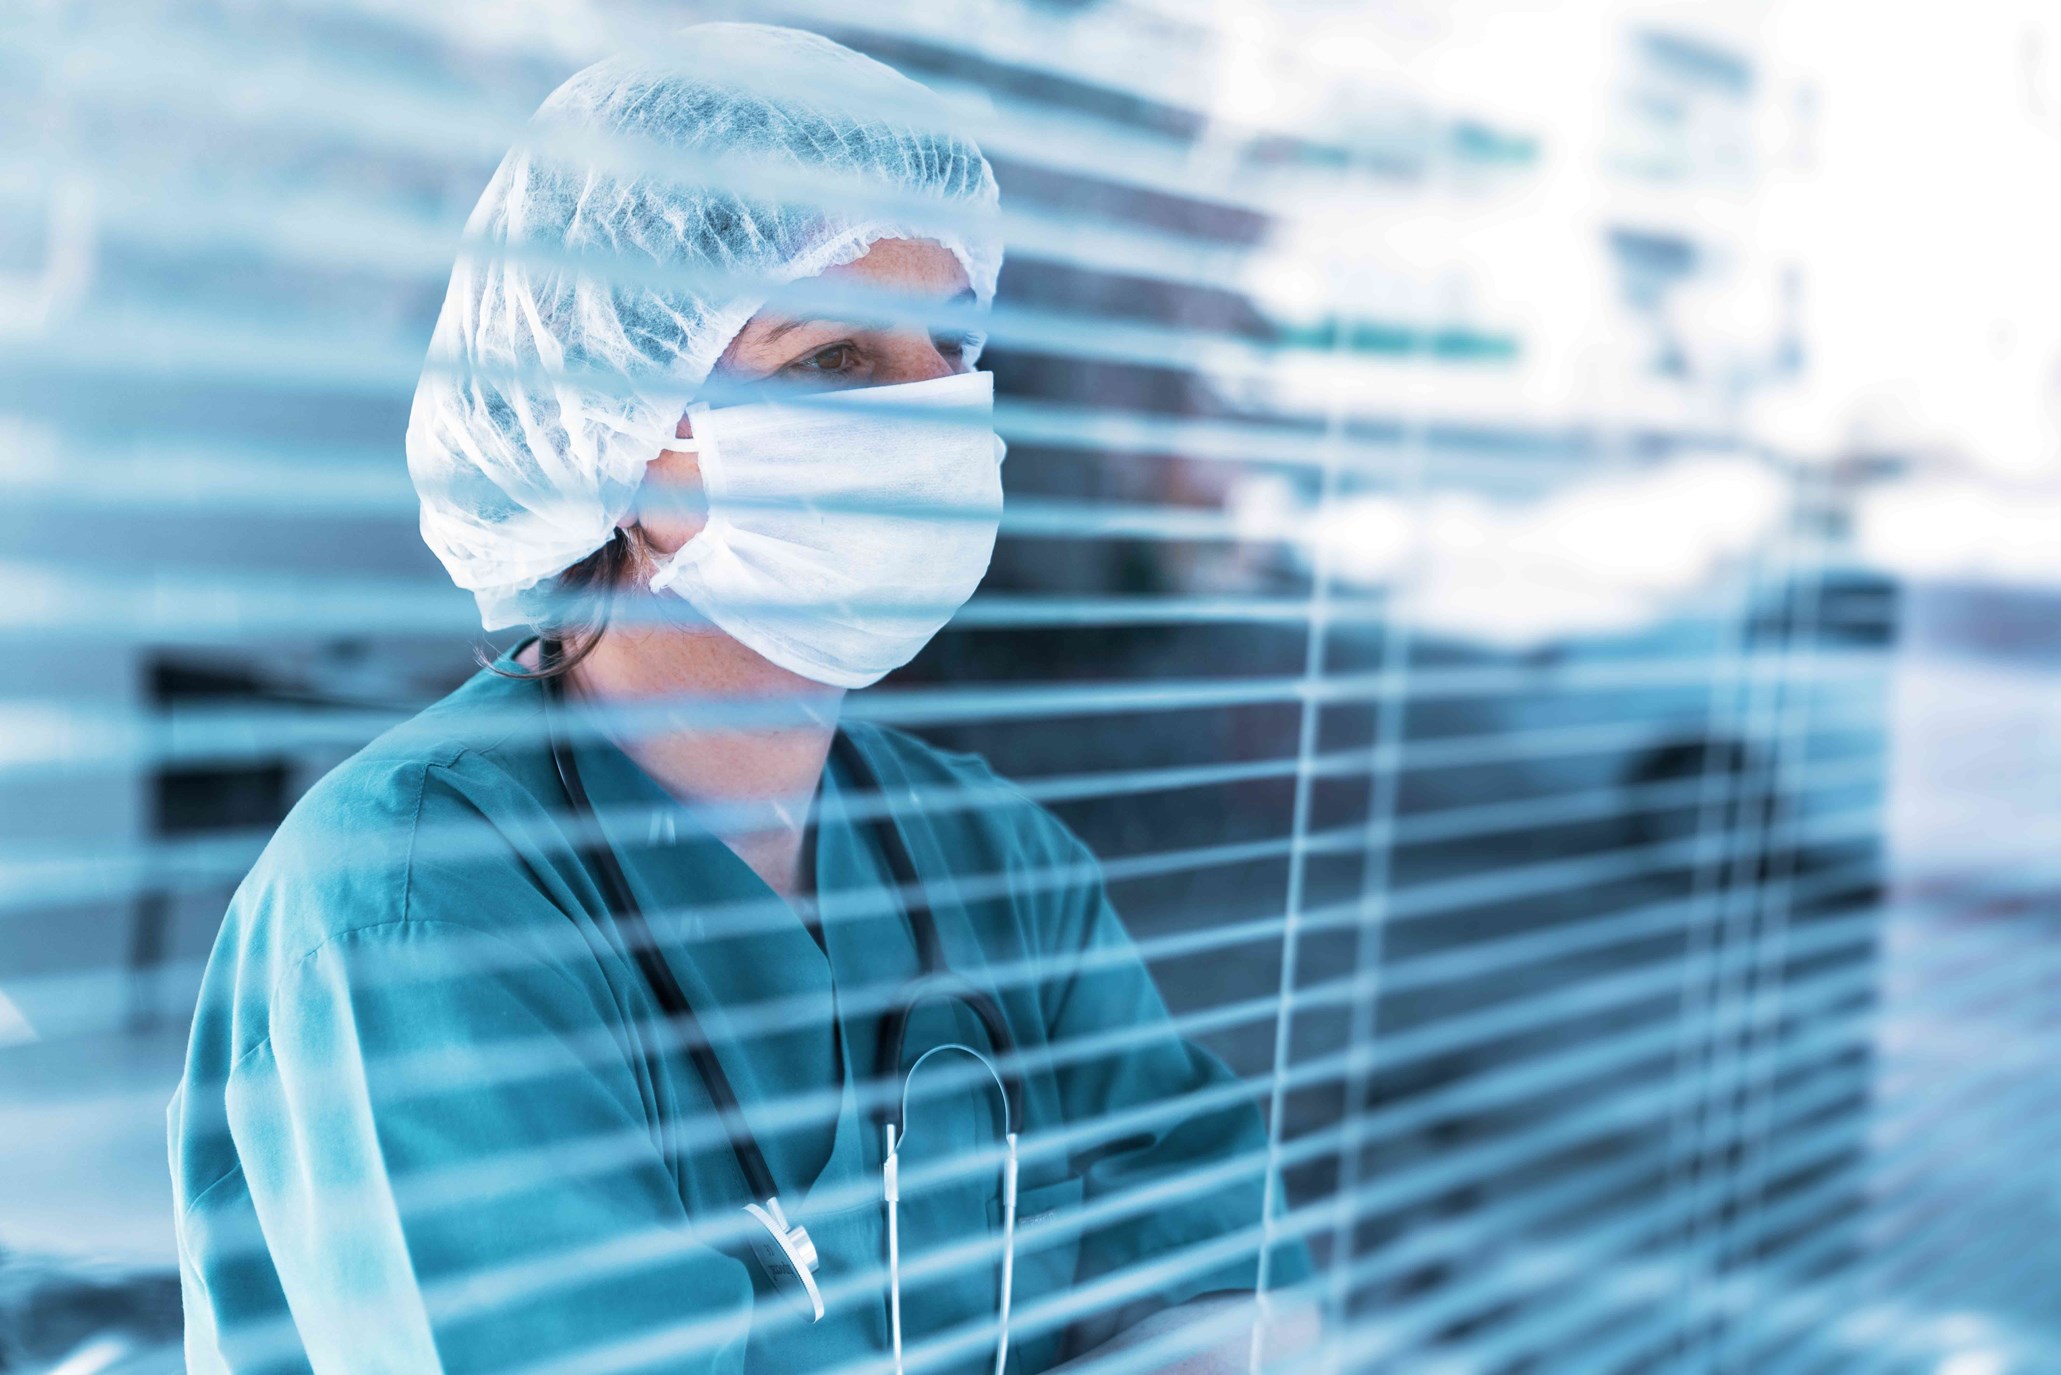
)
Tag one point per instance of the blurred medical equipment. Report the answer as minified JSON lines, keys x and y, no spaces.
{"x":548,"y":389}
{"x":786,"y":1252}
{"x":844,"y":529}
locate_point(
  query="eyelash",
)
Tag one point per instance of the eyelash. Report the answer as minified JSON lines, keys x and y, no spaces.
{"x":950,"y":345}
{"x":810,"y":363}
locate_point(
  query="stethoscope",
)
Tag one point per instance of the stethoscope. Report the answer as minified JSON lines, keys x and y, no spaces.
{"x":784,"y":1249}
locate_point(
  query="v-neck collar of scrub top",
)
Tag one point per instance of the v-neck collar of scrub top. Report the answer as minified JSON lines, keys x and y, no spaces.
{"x":739,"y":949}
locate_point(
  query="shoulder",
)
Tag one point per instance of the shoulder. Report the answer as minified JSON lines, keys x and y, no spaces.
{"x":350,"y":852}
{"x":419,"y":852}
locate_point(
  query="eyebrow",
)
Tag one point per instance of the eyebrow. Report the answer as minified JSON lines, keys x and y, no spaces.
{"x":963,"y":296}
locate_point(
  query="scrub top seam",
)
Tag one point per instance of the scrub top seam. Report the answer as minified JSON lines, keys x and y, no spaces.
{"x":485,"y":748}
{"x":407,"y":877}
{"x":377,"y":928}
{"x":414,"y":834}
{"x":234,"y":1171}
{"x":407,"y":882}
{"x":264,"y":1043}
{"x":407,"y":751}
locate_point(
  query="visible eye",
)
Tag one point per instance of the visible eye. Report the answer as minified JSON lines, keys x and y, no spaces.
{"x":835,"y":359}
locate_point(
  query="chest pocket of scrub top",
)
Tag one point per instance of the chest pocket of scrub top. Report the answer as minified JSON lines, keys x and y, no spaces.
{"x":952,"y":1273}
{"x":1048,"y":1247}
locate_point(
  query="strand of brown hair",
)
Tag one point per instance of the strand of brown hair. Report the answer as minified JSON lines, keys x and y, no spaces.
{"x":586,"y":588}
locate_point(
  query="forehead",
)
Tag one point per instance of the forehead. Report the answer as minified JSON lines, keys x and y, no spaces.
{"x":899,"y":267}
{"x":916,"y":268}
{"x":911,"y":266}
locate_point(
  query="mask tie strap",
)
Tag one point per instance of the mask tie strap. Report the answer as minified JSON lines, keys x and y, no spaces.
{"x":673,"y":444}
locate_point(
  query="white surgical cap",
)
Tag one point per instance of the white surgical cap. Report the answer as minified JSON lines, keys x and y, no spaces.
{"x":598,"y":292}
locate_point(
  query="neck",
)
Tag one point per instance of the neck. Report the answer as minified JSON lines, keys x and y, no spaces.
{"x":756,"y":779}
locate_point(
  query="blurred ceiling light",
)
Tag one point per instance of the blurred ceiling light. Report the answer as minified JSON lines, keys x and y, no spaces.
{"x":1370,"y":539}
{"x":1962,"y":527}
{"x":1987,"y":1361}
{"x":1246,"y":91}
{"x":1352,"y":47}
{"x":1609,"y":555}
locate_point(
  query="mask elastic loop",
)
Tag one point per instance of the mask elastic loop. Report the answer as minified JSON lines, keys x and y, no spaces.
{"x":674,"y":444}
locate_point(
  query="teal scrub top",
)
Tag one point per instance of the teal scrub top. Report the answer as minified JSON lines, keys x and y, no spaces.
{"x":432,"y":1117}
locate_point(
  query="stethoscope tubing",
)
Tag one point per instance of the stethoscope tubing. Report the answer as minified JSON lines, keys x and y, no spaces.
{"x":934,"y":980}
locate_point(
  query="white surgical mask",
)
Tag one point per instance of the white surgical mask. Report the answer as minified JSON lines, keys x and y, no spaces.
{"x":844,"y":529}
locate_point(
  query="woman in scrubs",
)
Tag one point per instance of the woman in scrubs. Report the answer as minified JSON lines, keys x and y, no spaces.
{"x":435,"y":1115}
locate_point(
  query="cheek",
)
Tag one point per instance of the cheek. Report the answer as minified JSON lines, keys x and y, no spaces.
{"x":669,"y":506}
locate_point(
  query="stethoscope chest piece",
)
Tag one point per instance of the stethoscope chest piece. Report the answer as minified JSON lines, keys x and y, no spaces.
{"x":787,"y":1255}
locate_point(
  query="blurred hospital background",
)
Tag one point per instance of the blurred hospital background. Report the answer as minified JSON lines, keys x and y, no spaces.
{"x":1533,"y":555}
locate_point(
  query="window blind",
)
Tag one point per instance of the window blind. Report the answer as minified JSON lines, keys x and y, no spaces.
{"x":1479,"y":720}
